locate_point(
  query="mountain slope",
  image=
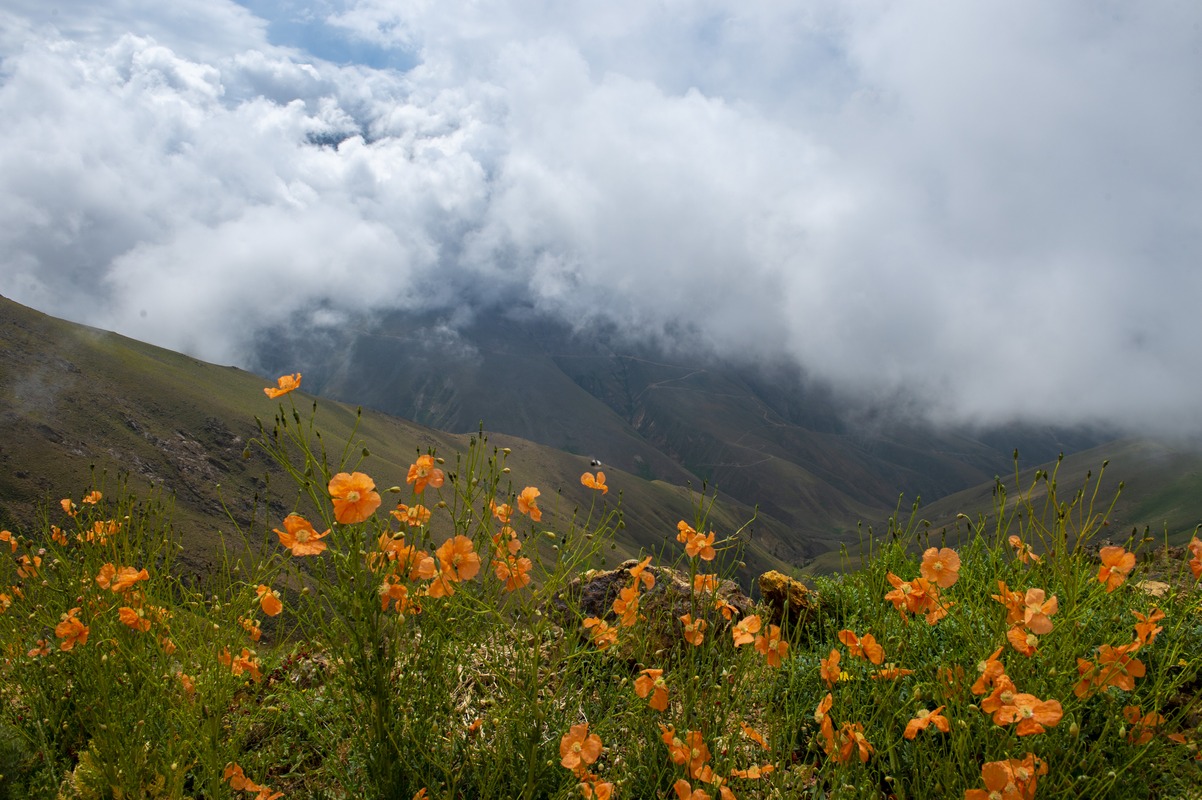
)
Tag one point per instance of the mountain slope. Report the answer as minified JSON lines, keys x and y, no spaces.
{"x":76,"y":398}
{"x":763,"y":435}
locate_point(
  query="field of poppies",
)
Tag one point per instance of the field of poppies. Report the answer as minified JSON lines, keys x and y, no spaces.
{"x":431,"y":639}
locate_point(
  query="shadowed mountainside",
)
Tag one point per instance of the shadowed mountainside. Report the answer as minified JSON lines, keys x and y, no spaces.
{"x":764,"y":435}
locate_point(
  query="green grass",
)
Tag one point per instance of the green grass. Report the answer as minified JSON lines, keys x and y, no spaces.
{"x":397,"y":670}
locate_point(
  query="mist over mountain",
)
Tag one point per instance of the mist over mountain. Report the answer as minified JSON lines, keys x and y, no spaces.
{"x":982,"y":215}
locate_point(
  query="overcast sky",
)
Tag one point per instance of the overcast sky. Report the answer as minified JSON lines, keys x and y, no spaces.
{"x":993,"y":209}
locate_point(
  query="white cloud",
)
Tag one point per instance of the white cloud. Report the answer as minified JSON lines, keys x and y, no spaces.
{"x":989,"y":208}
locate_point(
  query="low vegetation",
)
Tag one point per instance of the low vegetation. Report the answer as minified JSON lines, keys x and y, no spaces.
{"x":440,"y":645}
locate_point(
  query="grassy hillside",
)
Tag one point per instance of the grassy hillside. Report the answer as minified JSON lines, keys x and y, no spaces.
{"x":79,"y":401}
{"x":1160,"y":497}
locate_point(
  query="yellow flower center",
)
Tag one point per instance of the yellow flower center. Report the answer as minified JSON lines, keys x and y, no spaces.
{"x":352,"y":496}
{"x":302,"y":535}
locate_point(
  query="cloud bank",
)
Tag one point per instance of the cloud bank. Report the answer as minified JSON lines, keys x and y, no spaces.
{"x":989,"y":210}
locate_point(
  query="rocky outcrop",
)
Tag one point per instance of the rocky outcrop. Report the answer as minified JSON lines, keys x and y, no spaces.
{"x":791,"y":603}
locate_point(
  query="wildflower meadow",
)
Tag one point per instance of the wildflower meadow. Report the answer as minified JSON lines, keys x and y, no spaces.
{"x":424,"y":635}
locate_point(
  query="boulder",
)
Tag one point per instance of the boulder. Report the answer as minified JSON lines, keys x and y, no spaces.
{"x":791,"y":603}
{"x":593,"y":593}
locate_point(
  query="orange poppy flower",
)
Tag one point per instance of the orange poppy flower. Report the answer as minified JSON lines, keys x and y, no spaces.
{"x":925,"y":719}
{"x":685,"y":791}
{"x":694,"y":630}
{"x":724,"y":608}
{"x":56,"y":533}
{"x":602,"y":634}
{"x":999,"y":783}
{"x":69,"y":507}
{"x":1142,"y":725}
{"x":398,"y":595}
{"x":705,"y":583}
{"x":92,"y":498}
{"x":252,"y":628}
{"x":678,"y":751}
{"x":754,"y":735}
{"x":300,"y":537}
{"x":423,"y":473}
{"x":866,"y":647}
{"x":651,"y":682}
{"x":597,"y":482}
{"x":28,"y":566}
{"x":626,"y":605}
{"x":528,"y":503}
{"x":593,"y":788}
{"x":269,"y":600}
{"x":701,"y":547}
{"x":829,"y":669}
{"x":507,"y":538}
{"x":852,"y":740}
{"x":188,"y":684}
{"x":245,"y":663}
{"x":6,"y":602}
{"x":991,"y":671}
{"x":890,"y":673}
{"x":578,"y":748}
{"x":104,"y":578}
{"x":237,"y":779}
{"x":126,"y":577}
{"x":744,"y":630}
{"x":1031,"y":714}
{"x":826,"y":726}
{"x":42,"y":648}
{"x":1195,"y":563}
{"x":515,"y":572}
{"x":1002,"y":695}
{"x":684,"y":531}
{"x":753,"y":773}
{"x":1117,"y":564}
{"x":422,"y":566}
{"x":133,"y":619}
{"x":940,"y":566}
{"x":354,"y":497}
{"x":1037,"y":610}
{"x":503,"y":512}
{"x":283,"y":385}
{"x":1089,"y":684}
{"x":1117,"y":666}
{"x":458,"y":559}
{"x":1146,"y":629}
{"x":640,"y":574}
{"x":1023,"y":641}
{"x":773,"y":648}
{"x":71,"y":631}
{"x":698,"y":753}
{"x":7,"y":536}
{"x":898,"y":595}
{"x":416,"y":516}
{"x":1023,"y":551}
